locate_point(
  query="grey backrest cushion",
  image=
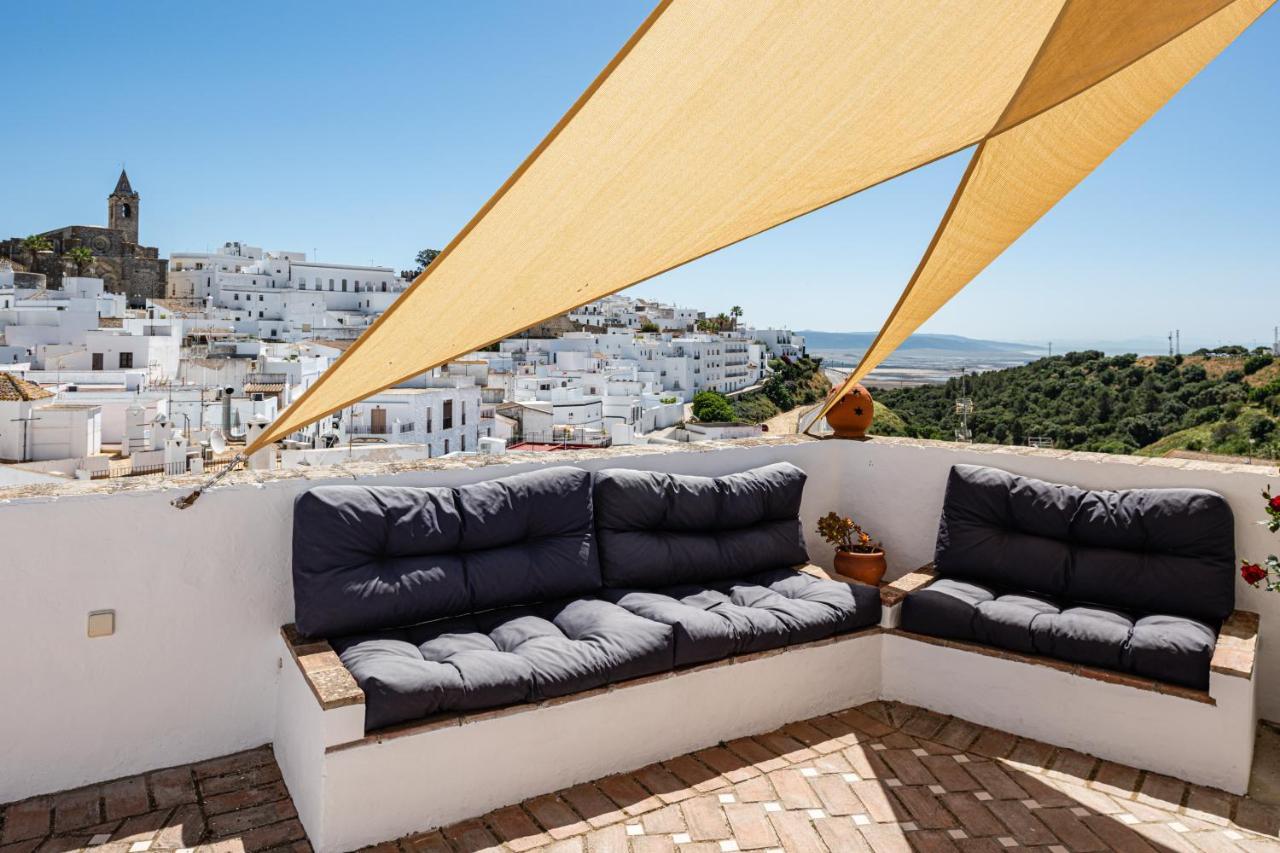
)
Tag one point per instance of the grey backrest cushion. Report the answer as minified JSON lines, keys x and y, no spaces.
{"x":1146,"y":550}
{"x":658,"y":530}
{"x":371,"y":557}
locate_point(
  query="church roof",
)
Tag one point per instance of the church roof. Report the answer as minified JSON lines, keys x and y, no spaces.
{"x":14,"y":389}
{"x":122,"y":185}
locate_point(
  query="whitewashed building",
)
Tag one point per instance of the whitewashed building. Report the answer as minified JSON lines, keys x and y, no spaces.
{"x":281,"y":295}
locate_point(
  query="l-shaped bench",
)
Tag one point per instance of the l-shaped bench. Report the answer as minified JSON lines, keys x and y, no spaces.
{"x":497,"y":641}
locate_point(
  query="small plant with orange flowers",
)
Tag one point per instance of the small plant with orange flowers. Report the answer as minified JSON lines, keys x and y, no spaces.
{"x":846,"y":534}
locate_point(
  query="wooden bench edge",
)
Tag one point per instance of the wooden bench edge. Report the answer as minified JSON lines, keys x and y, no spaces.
{"x":892,"y":592}
{"x":329,"y":680}
{"x":1237,"y":647}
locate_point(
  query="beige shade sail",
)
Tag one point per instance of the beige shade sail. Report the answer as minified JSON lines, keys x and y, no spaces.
{"x":720,"y":119}
{"x":1023,"y":170}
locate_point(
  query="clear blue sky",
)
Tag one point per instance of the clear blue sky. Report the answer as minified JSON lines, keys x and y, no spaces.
{"x":368,"y":131}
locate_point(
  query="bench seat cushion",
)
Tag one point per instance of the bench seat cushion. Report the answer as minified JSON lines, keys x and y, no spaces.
{"x":372,"y":557}
{"x":520,"y":654}
{"x":767,"y":610}
{"x":657,"y":529}
{"x":1172,"y":649}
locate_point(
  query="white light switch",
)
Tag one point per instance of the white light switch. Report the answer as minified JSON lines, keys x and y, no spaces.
{"x":102,"y":623}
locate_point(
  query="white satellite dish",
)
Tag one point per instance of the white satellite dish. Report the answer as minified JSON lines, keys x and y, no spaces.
{"x":218,"y":441}
{"x":159,"y":419}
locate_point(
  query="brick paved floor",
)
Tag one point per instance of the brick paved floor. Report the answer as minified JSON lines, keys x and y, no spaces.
{"x":882,"y":777}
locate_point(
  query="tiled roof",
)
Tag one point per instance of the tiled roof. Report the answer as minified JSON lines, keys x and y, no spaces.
{"x":331,"y":342}
{"x":180,"y":306}
{"x":263,"y":387}
{"x":14,"y":389}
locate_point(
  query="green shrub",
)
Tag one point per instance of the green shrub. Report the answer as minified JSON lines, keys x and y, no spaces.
{"x":1254,"y":363}
{"x":711,"y":407}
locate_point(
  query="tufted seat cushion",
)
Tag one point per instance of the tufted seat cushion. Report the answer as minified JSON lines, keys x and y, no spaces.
{"x":518,"y":654}
{"x":764,"y":611}
{"x":1140,"y":550}
{"x":1137,"y":580}
{"x":1174,"y":649}
{"x":656,"y":529}
{"x":370,"y":557}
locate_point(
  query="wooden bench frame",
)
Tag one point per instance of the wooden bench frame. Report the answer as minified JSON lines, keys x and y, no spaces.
{"x":353,"y":789}
{"x":1203,"y":736}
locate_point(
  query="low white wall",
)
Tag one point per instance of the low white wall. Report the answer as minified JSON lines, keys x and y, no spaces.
{"x":200,"y":596}
{"x":894,"y":488}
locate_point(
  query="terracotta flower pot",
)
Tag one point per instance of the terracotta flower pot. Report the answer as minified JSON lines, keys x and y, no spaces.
{"x":851,"y":416}
{"x":864,"y":568}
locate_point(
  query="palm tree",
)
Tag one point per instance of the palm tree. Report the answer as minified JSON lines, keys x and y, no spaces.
{"x":722,"y":321}
{"x":735,"y":312}
{"x":82,"y":257}
{"x":33,"y":243}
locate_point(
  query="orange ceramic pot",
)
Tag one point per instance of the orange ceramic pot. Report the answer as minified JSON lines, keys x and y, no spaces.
{"x":851,"y":416}
{"x":864,"y":568}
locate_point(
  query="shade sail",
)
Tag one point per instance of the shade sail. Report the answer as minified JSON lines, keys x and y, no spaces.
{"x":1019,"y":173}
{"x":720,"y":119}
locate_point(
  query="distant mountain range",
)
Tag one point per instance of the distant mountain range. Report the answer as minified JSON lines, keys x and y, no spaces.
{"x":860,"y":341}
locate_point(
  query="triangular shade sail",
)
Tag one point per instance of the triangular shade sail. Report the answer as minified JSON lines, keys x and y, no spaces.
{"x":721,"y":119}
{"x":1018,"y":174}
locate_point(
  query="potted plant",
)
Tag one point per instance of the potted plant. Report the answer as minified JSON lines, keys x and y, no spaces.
{"x":1266,"y":575}
{"x":858,"y":556}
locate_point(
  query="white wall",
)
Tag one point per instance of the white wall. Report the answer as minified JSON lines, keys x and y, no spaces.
{"x":201,"y":594}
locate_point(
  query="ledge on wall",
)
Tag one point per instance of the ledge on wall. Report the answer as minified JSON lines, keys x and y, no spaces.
{"x":360,"y":469}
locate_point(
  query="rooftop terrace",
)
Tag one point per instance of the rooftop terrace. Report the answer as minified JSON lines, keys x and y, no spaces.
{"x":192,"y":672}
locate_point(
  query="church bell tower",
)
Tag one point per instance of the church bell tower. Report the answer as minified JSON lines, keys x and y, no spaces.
{"x":122,"y":209}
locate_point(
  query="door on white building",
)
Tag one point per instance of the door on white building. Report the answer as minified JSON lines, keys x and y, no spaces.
{"x":378,"y":421}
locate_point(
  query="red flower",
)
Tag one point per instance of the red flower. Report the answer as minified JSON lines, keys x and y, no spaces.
{"x":1274,"y":503}
{"x":1253,"y":573}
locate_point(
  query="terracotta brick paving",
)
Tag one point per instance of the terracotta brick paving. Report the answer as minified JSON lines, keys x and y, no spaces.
{"x":881,"y":777}
{"x":226,"y":805}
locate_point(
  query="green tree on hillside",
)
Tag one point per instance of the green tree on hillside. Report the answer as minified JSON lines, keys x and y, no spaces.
{"x":712,"y":407}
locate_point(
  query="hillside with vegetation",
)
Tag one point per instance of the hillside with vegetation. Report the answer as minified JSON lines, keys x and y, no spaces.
{"x":792,"y":383}
{"x":1224,"y":402}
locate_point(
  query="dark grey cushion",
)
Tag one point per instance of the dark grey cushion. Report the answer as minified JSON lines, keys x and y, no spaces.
{"x":486,"y":660}
{"x":658,"y":529}
{"x":1168,"y":648}
{"x":765,"y":611}
{"x":372,"y":557}
{"x":1139,"y":550}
